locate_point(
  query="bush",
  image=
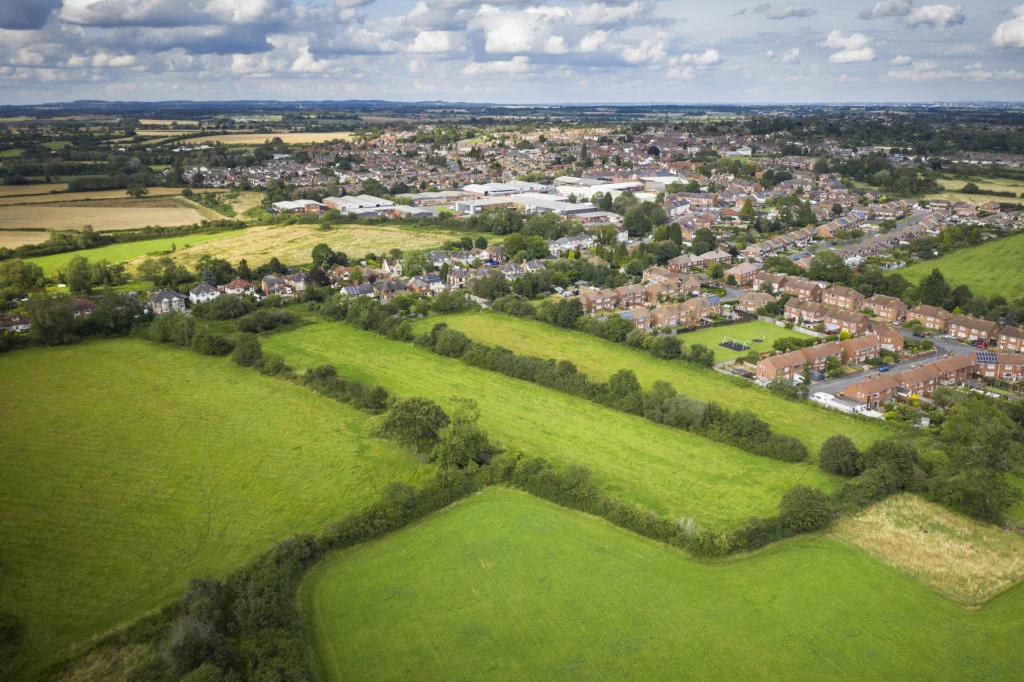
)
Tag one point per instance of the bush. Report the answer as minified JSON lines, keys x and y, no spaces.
{"x":804,"y":509}
{"x":206,"y":342}
{"x":176,"y":328}
{"x":264,"y":320}
{"x":224,"y":308}
{"x":838,"y":455}
{"x":248,"y":352}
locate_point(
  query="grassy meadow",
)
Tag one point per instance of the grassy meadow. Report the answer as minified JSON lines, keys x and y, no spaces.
{"x":660,"y":468}
{"x":994,"y":268}
{"x":504,"y":586}
{"x":601,"y":359}
{"x":119,"y":253}
{"x":746,"y":331}
{"x":129,"y":468}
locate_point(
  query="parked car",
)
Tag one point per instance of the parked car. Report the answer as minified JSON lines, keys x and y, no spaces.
{"x":883,"y":368}
{"x":918,"y":335}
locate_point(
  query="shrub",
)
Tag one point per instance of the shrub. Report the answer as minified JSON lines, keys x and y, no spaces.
{"x":264,"y":320}
{"x":804,"y":509}
{"x":206,"y":342}
{"x":224,"y":308}
{"x":838,"y":455}
{"x":247,"y":351}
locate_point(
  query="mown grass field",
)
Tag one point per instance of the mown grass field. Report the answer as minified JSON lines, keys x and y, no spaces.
{"x":504,"y":586}
{"x":994,"y":268}
{"x":129,"y":468}
{"x":747,"y":331}
{"x":601,"y":359}
{"x":293,"y":244}
{"x":119,"y":253}
{"x":667,"y":470}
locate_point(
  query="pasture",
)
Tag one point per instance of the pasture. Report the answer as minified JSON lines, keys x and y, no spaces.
{"x":667,"y":470}
{"x":964,"y":559}
{"x":601,"y":359}
{"x":260,"y":138}
{"x":293,"y":244}
{"x":994,"y":268}
{"x":76,"y":215}
{"x":130,"y":468}
{"x":503,"y":586}
{"x":120,"y":253}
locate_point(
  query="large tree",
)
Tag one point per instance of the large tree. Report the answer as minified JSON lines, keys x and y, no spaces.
{"x":462,"y":443}
{"x":934,"y":289}
{"x":52,"y":318}
{"x":412,"y":422}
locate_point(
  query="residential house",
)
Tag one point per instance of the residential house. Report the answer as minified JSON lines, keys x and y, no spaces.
{"x":1011,"y":339}
{"x":777,"y":282}
{"x":167,"y":302}
{"x":533,"y":266}
{"x":429,"y":283}
{"x":14,"y":324}
{"x":82,"y":307}
{"x":670,"y":315}
{"x":843,"y":297}
{"x":391,"y":267}
{"x":889,"y":336}
{"x":511,"y":270}
{"x":706,"y":260}
{"x":387,"y":289}
{"x":595,"y":301}
{"x":972,"y":328}
{"x":742,"y":273}
{"x":838,"y":321}
{"x":682,"y":263}
{"x":364,"y":289}
{"x":752,"y":301}
{"x":930,"y":317}
{"x":888,"y":308}
{"x":1007,"y":367}
{"x":297,"y":281}
{"x":640,"y":317}
{"x":241,"y":287}
{"x":802,"y":288}
{"x":809,"y":312}
{"x":631,"y":295}
{"x":689,"y":285}
{"x":661,"y":275}
{"x":457,"y":277}
{"x":789,"y":365}
{"x":273,"y":285}
{"x":655,"y":291}
{"x":873,"y":391}
{"x":859,"y":350}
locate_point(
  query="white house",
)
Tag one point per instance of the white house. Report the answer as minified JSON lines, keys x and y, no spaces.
{"x":203,"y":293}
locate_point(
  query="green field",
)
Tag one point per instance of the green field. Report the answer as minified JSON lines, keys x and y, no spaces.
{"x":747,"y":331}
{"x":120,"y":253}
{"x":660,"y":468}
{"x":601,"y":359}
{"x":505,"y":586}
{"x":11,"y":153}
{"x":995,"y":268}
{"x":129,"y":468}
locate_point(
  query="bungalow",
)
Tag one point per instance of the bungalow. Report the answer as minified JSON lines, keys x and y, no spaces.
{"x":364,"y":289}
{"x":843,"y":297}
{"x":1011,"y":339}
{"x":930,"y":317}
{"x":752,"y":301}
{"x":971,"y":328}
{"x":204,"y":293}
{"x":14,"y":324}
{"x":808,"y":311}
{"x":82,"y":307}
{"x":888,"y":308}
{"x":167,"y":302}
{"x":873,"y":391}
{"x":599,"y":301}
{"x":854,"y":324}
{"x":241,"y":287}
{"x":742,"y":273}
{"x":1008,"y":367}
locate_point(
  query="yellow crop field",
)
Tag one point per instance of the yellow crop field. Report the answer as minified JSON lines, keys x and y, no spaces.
{"x":106,"y":194}
{"x":102,"y":218}
{"x":167,"y":121}
{"x":13,"y":238}
{"x":22,"y":190}
{"x":260,"y":138}
{"x":294,"y":243}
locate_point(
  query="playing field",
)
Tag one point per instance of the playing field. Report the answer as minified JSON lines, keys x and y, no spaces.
{"x":504,"y":586}
{"x":120,"y":253}
{"x":260,"y":138}
{"x":293,"y":244}
{"x":601,"y":359}
{"x":102,"y":218}
{"x":747,"y":332}
{"x":129,"y":468}
{"x":994,"y":268}
{"x":660,"y":468}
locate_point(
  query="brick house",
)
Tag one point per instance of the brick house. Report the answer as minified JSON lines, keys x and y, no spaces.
{"x":777,"y":282}
{"x":1011,"y":339}
{"x":1008,"y":367}
{"x":670,"y":315}
{"x":742,"y":273}
{"x":931,"y":317}
{"x":752,"y":301}
{"x":888,"y":308}
{"x":889,"y":336}
{"x":599,"y":301}
{"x":810,"y":312}
{"x":859,"y":350}
{"x":873,"y":391}
{"x":843,"y":297}
{"x":682,"y":263}
{"x":631,"y":295}
{"x":971,"y":328}
{"x":802,"y":288}
{"x":640,"y":317}
{"x":854,"y":324}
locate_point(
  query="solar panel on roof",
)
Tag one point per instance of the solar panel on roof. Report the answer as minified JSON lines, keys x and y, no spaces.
{"x":987,"y":358}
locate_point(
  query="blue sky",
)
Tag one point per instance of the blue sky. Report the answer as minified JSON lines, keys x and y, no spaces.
{"x":512,"y":51}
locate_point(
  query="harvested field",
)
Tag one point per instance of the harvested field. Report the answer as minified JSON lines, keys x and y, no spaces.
{"x":36,"y":198}
{"x":14,"y":238}
{"x":964,"y":559}
{"x":25,"y":190}
{"x":294,"y":243}
{"x":77,"y":216}
{"x":260,"y":138}
{"x":167,"y":121}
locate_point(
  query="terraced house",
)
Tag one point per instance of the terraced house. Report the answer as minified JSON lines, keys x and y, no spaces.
{"x":843,"y":297}
{"x":888,"y":308}
{"x":803,"y":289}
{"x":631,"y":295}
{"x":838,"y":321}
{"x":1011,"y":339}
{"x":931,"y":317}
{"x":1008,"y":367}
{"x":810,"y":312}
{"x":603,"y":300}
{"x":752,"y":301}
{"x":971,"y":328}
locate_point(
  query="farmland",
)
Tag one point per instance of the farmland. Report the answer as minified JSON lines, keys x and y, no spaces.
{"x":294,"y":243}
{"x":119,"y":253}
{"x":109,"y":194}
{"x":130,"y":468}
{"x":260,"y":138}
{"x":14,"y":238}
{"x":24,"y":190}
{"x":660,"y":468}
{"x":600,"y":359}
{"x":995,"y":268}
{"x":505,"y":586}
{"x":985,"y":184}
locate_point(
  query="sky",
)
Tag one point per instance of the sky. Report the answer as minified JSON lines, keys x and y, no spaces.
{"x":512,"y":51}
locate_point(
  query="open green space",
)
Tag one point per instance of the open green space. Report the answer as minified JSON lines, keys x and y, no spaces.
{"x":57,"y":144}
{"x":660,"y":468}
{"x":130,"y":468}
{"x":601,"y":359}
{"x":10,"y":153}
{"x":747,"y":331}
{"x":995,"y":268}
{"x":120,"y":253}
{"x":506,"y":586}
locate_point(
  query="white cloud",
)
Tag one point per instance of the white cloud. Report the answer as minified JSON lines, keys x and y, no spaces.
{"x":888,"y":8}
{"x":604,"y":14}
{"x":434,"y":42}
{"x":900,"y":60}
{"x":790,"y":12}
{"x":648,"y":51}
{"x":855,"y":47}
{"x":685,"y":66}
{"x":791,"y":56}
{"x":1010,"y":33}
{"x":516,"y":65}
{"x":936,"y":16}
{"x":594,"y":41}
{"x":923,"y":71}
